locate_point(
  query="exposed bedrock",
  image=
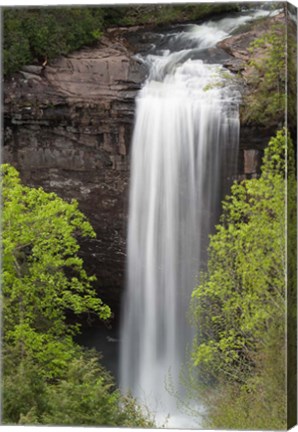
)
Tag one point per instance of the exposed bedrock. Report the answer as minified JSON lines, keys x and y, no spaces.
{"x":68,"y":129}
{"x":253,"y":138}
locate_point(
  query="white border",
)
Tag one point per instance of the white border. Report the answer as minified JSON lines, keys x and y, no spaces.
{"x":108,"y":3}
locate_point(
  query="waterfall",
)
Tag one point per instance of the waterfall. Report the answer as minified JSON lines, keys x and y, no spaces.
{"x":184,"y":153}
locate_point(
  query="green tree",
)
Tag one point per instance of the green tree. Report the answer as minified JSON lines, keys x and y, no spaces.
{"x":240,"y":305}
{"x":48,"y":378}
{"x":16,"y":49}
{"x":87,"y":396}
{"x":43,"y":277}
{"x":31,"y":35}
{"x":265,"y":76}
{"x":84,"y":395}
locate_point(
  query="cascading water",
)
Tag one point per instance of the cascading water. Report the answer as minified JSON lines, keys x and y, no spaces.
{"x":184,"y":151}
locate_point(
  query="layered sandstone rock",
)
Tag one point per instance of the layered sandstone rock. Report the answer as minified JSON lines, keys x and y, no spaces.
{"x":68,"y":129}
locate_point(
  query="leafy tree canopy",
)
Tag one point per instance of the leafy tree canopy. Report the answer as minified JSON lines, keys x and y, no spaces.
{"x":48,"y":378}
{"x":34,"y":34}
{"x":239,"y":307}
{"x":83,"y":395}
{"x":43,"y":277}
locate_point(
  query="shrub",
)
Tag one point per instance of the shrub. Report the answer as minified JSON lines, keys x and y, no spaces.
{"x":239,"y":306}
{"x":32,"y":35}
{"x":266,"y":79}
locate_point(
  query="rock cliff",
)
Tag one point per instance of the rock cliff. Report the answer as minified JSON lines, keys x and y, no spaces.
{"x":253,"y":138}
{"x":68,"y":129}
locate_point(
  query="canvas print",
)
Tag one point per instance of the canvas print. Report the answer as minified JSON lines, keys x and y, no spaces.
{"x":148,"y":184}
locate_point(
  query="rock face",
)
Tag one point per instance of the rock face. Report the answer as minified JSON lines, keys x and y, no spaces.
{"x":68,"y":129}
{"x":253,"y":138}
{"x":237,"y":46}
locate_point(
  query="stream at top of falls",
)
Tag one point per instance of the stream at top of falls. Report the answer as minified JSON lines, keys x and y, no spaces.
{"x":184,"y":157}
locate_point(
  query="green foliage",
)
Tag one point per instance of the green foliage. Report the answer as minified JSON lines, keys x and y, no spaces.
{"x":291,"y":70}
{"x":258,"y":404}
{"x":16,"y":48}
{"x":32,"y":35}
{"x":84,"y":395}
{"x":87,"y":396}
{"x":239,"y":307}
{"x":47,"y":377}
{"x":266,"y":78}
{"x":42,"y":275}
{"x":165,"y":14}
{"x":24,"y":388}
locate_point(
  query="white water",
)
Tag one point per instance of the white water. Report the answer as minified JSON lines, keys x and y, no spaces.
{"x":184,"y":150}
